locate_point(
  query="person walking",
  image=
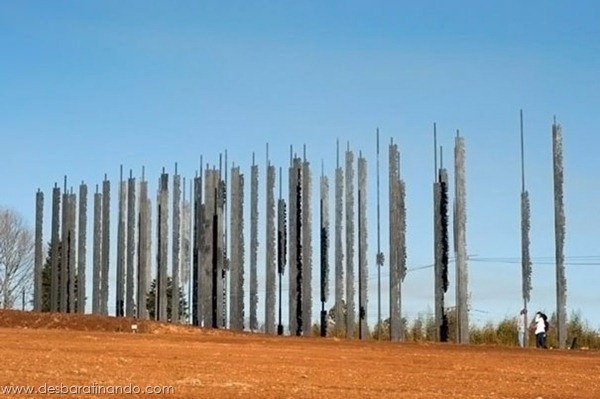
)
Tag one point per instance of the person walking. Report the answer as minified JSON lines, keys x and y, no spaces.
{"x":539,"y":324}
{"x":521,"y":327}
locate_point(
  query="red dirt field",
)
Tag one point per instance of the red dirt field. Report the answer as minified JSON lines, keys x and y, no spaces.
{"x":50,"y":350}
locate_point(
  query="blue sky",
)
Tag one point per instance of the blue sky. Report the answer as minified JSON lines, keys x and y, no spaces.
{"x":88,"y":86}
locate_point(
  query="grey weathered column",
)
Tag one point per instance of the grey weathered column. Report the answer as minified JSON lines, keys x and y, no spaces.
{"x":340,"y":324}
{"x":292,"y":182}
{"x":144,"y":258}
{"x":39,"y":251}
{"x":130,"y":293}
{"x":525,"y":229}
{"x":559,"y":235}
{"x":210,"y":274}
{"x":237,"y":250}
{"x":163,"y":247}
{"x":97,"y":254}
{"x":81,"y":248}
{"x":350,"y":290}
{"x":324,"y":250}
{"x":64,"y":252}
{"x":72,"y":251}
{"x":186,"y":244}
{"x":105,"y":244}
{"x":363,"y":264}
{"x":198,"y":244}
{"x":462,"y":287}
{"x":206,"y":280}
{"x":176,"y":251}
{"x":55,"y":251}
{"x":121,"y":248}
{"x":397,"y":249}
{"x":253,"y":246}
{"x":299,"y":252}
{"x":306,"y":246}
{"x":270,"y":269}
{"x":281,"y":248}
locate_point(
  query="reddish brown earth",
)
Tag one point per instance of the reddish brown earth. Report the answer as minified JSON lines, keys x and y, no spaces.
{"x":51,"y":349}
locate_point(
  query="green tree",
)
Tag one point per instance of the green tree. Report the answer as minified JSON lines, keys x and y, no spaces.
{"x":47,"y":278}
{"x":151,"y":301}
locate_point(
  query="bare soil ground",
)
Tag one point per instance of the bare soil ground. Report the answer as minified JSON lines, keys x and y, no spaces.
{"x":71,"y":350}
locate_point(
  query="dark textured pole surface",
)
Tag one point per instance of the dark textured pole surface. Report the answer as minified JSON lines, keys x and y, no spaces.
{"x":64,"y":251}
{"x":176,"y":248}
{"x":270,"y":253}
{"x":163,"y":247}
{"x":144,"y":258}
{"x":97,"y":255}
{"x":54,"y":248}
{"x":39,"y":251}
{"x":253,"y":247}
{"x":105,"y":245}
{"x":197,"y":254}
{"x":237,"y":251}
{"x":72,"y":253}
{"x":324,"y":246}
{"x":81,"y":248}
{"x":131,"y":249}
{"x":350,"y":284}
{"x":340,"y":325}
{"x":559,"y":231}
{"x":307,"y":252}
{"x":525,"y":229}
{"x":299,"y":259}
{"x":363,"y":263}
{"x":121,"y":248}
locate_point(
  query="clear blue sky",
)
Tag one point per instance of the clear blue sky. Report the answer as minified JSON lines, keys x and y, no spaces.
{"x":87,"y":86}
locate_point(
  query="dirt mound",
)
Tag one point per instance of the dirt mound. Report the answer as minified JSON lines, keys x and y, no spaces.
{"x":85,"y":322}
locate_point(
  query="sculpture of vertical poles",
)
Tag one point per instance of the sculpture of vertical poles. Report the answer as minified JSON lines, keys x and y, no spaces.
{"x":460,"y":220}
{"x":559,"y":233}
{"x":131,"y":248}
{"x":105,"y":245}
{"x":176,"y":248}
{"x":97,"y":255}
{"x":81,"y":248}
{"x":340,"y":325}
{"x":525,"y":228}
{"x":39,"y":251}
{"x":440,"y":209}
{"x":324,"y":241}
{"x":306,"y":245}
{"x":270,"y":253}
{"x":161,"y":313}
{"x":362,"y":251}
{"x":64,"y":251}
{"x":121,"y":247}
{"x":253,"y":246}
{"x":350,"y":290}
{"x":72,"y":255}
{"x":237,"y":250}
{"x":281,"y":246}
{"x":55,"y":248}
{"x":144,"y":237}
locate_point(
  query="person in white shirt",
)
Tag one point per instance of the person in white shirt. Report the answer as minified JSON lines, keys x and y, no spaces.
{"x":540,"y":330}
{"x":521,"y":329}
